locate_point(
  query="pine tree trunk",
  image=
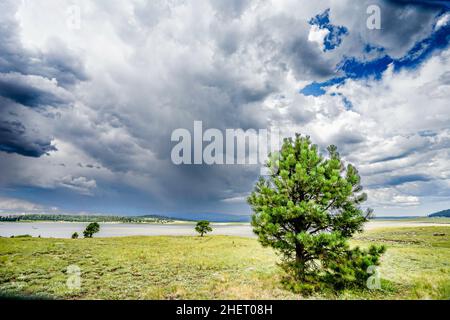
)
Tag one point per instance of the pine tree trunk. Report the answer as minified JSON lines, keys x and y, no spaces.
{"x":300,"y":261}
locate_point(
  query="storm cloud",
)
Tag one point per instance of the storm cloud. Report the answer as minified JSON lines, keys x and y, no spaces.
{"x":35,"y":79}
{"x":108,"y":95}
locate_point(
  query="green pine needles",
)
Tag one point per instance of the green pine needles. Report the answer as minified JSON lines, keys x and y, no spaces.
{"x":307,"y":209}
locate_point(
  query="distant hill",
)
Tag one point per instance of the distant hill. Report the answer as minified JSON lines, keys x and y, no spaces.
{"x":443,"y":213}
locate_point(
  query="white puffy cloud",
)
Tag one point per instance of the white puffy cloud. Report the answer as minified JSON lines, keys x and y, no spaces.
{"x":12,"y":205}
{"x":390,"y":198}
{"x":79,"y":184}
{"x":317,"y":35}
{"x":442,"y":21}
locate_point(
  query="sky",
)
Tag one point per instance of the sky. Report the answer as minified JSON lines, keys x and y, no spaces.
{"x":91,"y":92}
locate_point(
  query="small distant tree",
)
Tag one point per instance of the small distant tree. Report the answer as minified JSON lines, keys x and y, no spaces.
{"x":75,"y":235}
{"x":92,"y":228}
{"x":203,"y":227}
{"x":307,"y":209}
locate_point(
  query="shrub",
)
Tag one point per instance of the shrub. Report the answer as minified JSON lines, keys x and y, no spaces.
{"x":22,"y":236}
{"x":203,"y":227}
{"x":92,"y":228}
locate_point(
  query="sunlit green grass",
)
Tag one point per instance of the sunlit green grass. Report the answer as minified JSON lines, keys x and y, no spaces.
{"x":417,"y":260}
{"x":416,"y":266}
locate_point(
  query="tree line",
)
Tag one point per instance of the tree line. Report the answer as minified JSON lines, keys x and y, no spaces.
{"x":84,"y":218}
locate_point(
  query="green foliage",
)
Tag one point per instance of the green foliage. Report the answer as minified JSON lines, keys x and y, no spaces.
{"x":350,"y":268}
{"x":307,"y":209}
{"x":75,"y":235}
{"x":92,"y":228}
{"x":203,"y":227}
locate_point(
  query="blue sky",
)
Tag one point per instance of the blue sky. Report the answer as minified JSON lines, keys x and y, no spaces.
{"x":91,"y":92}
{"x":335,"y":34}
{"x":354,"y":68}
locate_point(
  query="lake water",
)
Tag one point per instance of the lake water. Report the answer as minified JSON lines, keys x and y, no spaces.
{"x":66,"y":229}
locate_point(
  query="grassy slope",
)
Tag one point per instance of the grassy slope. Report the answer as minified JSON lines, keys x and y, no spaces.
{"x":417,"y":266}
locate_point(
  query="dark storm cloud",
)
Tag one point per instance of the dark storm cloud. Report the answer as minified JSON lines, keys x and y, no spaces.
{"x":19,"y":133}
{"x":14,"y":138}
{"x":402,"y":25}
{"x":397,"y":180}
{"x":31,"y":79}
{"x":20,"y":89}
{"x":57,"y":61}
{"x":318,"y":67}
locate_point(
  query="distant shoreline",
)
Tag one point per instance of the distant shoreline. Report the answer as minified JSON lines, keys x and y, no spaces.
{"x":162,"y":220}
{"x":175,"y":222}
{"x":143,"y":219}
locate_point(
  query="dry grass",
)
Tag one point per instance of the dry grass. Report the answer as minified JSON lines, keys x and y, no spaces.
{"x":416,"y":266}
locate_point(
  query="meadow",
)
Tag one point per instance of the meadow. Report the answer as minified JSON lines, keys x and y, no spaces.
{"x":415,"y":266}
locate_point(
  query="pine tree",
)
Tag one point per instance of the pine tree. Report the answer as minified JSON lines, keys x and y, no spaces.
{"x":307,"y":209}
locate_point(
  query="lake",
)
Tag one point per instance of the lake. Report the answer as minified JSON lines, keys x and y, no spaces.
{"x":66,"y":229}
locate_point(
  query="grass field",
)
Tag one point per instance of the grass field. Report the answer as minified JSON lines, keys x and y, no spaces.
{"x":416,"y":266}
